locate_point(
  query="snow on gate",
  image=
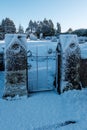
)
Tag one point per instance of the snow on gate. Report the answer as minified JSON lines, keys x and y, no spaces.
{"x":41,"y":66}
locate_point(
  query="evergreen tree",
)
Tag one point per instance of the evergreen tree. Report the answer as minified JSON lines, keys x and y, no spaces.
{"x":58,"y":30}
{"x":8,"y":26}
{"x":1,"y":33}
{"x":51,"y":25}
{"x":35,"y":26}
{"x":80,"y":32}
{"x":39,"y":28}
{"x":48,"y":27}
{"x":29,"y":29}
{"x":30,"y":26}
{"x":20,"y":29}
{"x":70,"y":30}
{"x":45,"y":27}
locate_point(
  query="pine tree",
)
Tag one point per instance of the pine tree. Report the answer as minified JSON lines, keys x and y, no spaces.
{"x":35,"y":26}
{"x":8,"y":26}
{"x":29,"y":29}
{"x":20,"y":29}
{"x":58,"y":30}
{"x":1,"y":33}
{"x":51,"y":25}
{"x":47,"y":27}
{"x":70,"y":30}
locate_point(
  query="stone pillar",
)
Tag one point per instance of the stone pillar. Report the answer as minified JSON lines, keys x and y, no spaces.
{"x":15,"y":65}
{"x":70,"y":63}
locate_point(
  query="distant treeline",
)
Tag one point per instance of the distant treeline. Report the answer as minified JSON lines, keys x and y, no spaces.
{"x":46,"y":27}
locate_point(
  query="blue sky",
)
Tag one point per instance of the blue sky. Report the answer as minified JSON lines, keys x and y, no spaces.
{"x":69,"y":13}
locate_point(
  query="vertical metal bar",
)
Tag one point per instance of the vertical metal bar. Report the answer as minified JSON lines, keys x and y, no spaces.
{"x":59,"y":65}
{"x":37,"y":64}
{"x":47,"y":66}
{"x":27,"y":74}
{"x":59,"y":73}
{"x":57,"y":70}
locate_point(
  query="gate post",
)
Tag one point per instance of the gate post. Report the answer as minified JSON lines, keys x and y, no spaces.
{"x":15,"y":65}
{"x":2,"y":60}
{"x":68,"y":63}
{"x":58,"y":68}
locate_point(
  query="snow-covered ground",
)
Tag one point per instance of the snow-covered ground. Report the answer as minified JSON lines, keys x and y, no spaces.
{"x":45,"y":111}
{"x":2,"y":81}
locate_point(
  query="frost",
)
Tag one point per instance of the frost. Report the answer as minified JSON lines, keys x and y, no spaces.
{"x":70,"y":62}
{"x":66,"y":40}
{"x":15,"y":66}
{"x":54,"y":39}
{"x":33,"y":37}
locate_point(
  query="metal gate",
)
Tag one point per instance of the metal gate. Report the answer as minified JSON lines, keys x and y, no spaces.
{"x":41,"y":67}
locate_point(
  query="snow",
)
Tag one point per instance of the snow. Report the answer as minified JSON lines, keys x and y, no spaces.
{"x":2,"y":44}
{"x":2,"y":41}
{"x":82,"y":39}
{"x":45,"y":111}
{"x":1,"y":50}
{"x":42,"y":71}
{"x":42,"y":46}
{"x":11,"y":38}
{"x":66,"y":40}
{"x":2,"y":79}
{"x":54,"y":39}
{"x":83,"y":48}
{"x":70,"y":50}
{"x":15,"y":52}
{"x":46,"y":64}
{"x":33,"y":37}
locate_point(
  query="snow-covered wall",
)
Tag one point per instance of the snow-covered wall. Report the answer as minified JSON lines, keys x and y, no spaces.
{"x":15,"y":65}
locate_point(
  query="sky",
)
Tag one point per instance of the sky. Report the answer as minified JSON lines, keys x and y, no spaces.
{"x":69,"y":13}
